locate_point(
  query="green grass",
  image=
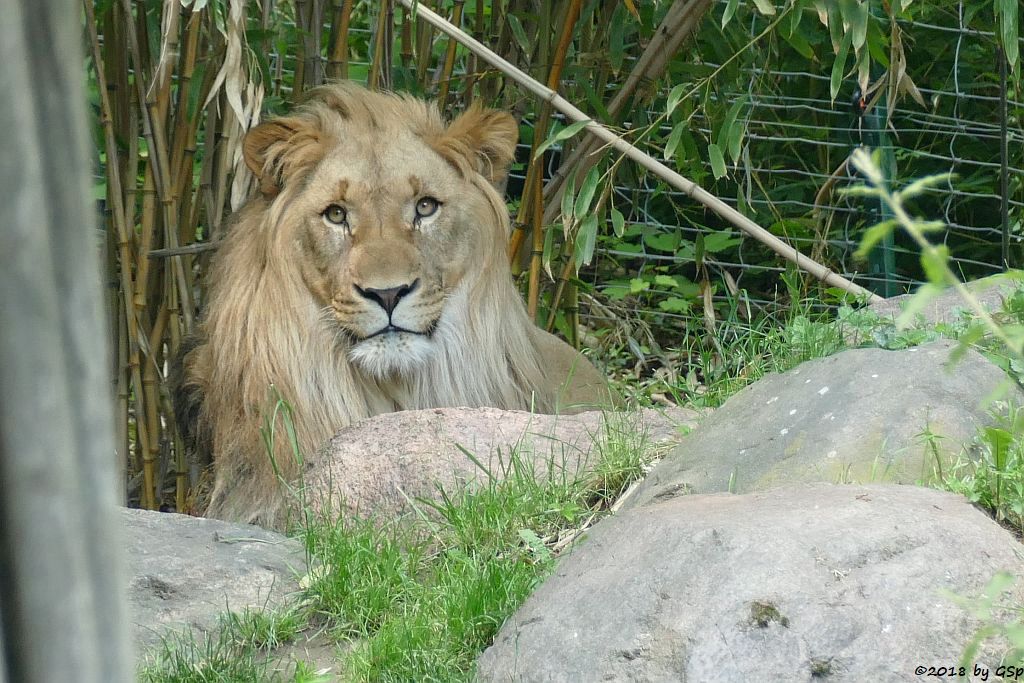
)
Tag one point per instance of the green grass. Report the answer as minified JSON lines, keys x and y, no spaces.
{"x":235,"y":652}
{"x":418,"y":599}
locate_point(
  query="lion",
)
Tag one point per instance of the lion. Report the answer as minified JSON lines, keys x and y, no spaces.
{"x":368,"y":275}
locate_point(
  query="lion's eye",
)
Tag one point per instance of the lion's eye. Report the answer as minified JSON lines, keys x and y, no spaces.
{"x":335,"y":214}
{"x":426,"y":207}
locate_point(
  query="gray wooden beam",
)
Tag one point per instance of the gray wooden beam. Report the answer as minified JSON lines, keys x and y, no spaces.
{"x":64,"y":616}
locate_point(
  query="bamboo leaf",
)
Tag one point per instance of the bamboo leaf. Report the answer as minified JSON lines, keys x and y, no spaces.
{"x":834,"y":24}
{"x":632,"y":9}
{"x":587,"y":190}
{"x":1008,"y":30}
{"x":765,"y":7}
{"x":798,"y":42}
{"x":730,"y":10}
{"x":839,"y":66}
{"x":563,"y":134}
{"x":675,"y":96}
{"x":717,"y":160}
{"x":586,"y":239}
{"x":518,"y":33}
{"x":734,"y":136}
{"x":673,"y":141}
{"x":549,"y":247}
{"x":617,"y":40}
{"x":568,"y":197}
{"x":856,"y":16}
{"x":908,"y":86}
{"x":618,"y":222}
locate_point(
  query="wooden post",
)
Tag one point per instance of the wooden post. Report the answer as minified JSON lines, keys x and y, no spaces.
{"x":64,"y":616}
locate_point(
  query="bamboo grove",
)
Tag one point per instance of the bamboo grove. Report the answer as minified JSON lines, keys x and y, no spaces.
{"x":176,"y":83}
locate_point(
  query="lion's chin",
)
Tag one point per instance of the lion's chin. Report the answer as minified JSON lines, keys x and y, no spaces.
{"x":395,"y":354}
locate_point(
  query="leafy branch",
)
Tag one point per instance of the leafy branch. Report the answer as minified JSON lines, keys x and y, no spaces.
{"x":935,"y":258}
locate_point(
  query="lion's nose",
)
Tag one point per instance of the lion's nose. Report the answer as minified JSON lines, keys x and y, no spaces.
{"x":387,"y":298}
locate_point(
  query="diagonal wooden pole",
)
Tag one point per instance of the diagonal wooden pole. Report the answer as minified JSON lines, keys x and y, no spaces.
{"x":687,"y":187}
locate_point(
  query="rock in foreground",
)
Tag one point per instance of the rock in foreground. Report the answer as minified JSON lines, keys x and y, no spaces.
{"x":184,"y":572}
{"x":857,"y":416}
{"x":837,"y":583}
{"x":374,"y":467}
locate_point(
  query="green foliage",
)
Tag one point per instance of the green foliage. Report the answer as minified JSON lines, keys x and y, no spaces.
{"x":992,"y":473}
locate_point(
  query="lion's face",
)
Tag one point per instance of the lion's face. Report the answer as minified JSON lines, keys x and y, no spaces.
{"x":388,"y":230}
{"x":384,"y":241}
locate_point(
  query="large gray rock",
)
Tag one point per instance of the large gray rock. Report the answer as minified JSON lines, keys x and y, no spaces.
{"x":856,"y":416}
{"x":187,"y":571}
{"x":374,"y":467}
{"x":838,"y":583}
{"x":990,"y":292}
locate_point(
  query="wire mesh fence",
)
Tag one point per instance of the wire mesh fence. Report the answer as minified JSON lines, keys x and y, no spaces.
{"x":792,"y":168}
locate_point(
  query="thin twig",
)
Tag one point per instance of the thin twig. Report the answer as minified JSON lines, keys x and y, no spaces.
{"x":196,"y":248}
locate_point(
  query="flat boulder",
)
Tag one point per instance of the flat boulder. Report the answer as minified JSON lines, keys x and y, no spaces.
{"x":991,"y":292}
{"x":376,"y":466}
{"x":184,"y":572}
{"x":858,"y":416}
{"x":819,"y":581}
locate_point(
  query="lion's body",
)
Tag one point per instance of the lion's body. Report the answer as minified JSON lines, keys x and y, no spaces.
{"x":370,"y":276}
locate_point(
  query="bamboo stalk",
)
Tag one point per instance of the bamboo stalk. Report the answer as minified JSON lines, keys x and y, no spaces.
{"x":500,"y":36}
{"x":572,"y":13}
{"x":118,"y":216}
{"x":569,"y":267}
{"x":337,"y":65}
{"x":191,"y":249}
{"x":406,"y":53}
{"x":424,"y":50}
{"x":378,"y":65}
{"x":449,"y":58}
{"x":473,"y":65}
{"x":161,"y":86}
{"x":533,"y":290}
{"x":183,"y":124}
{"x":674,"y":179}
{"x":123,"y":375}
{"x":151,"y":388}
{"x":309,"y":16}
{"x":158,"y":160}
{"x":300,"y":56}
{"x":535,"y":168}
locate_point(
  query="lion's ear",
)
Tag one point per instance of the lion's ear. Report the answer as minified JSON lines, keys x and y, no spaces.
{"x":275,"y":151}
{"x":488,"y":137}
